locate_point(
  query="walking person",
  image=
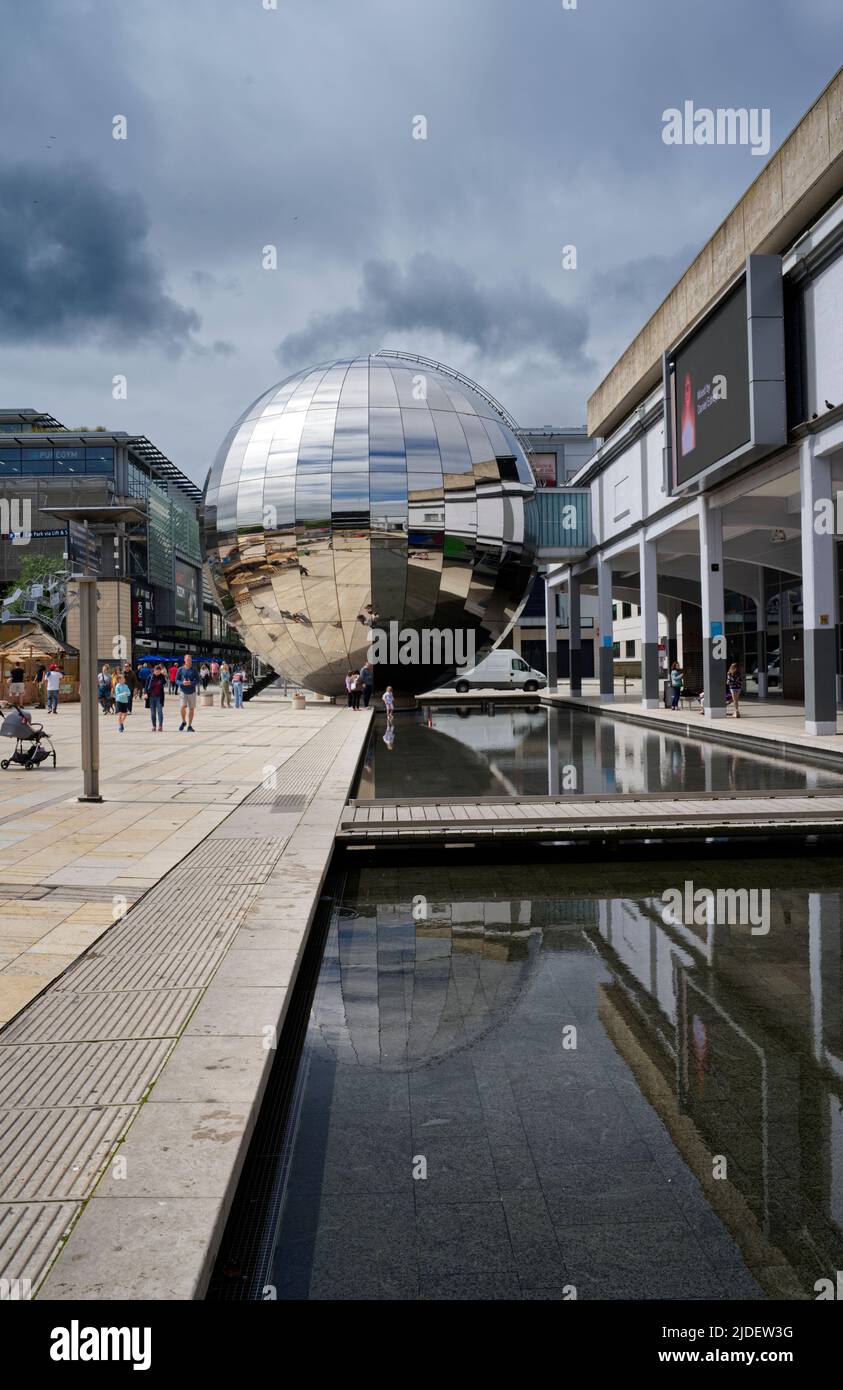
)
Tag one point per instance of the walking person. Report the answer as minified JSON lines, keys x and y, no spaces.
{"x":675,"y":684}
{"x":215,"y":671}
{"x":54,"y":680}
{"x":225,"y":684}
{"x":174,"y":670}
{"x":187,"y":682}
{"x":734,"y":685}
{"x":17,"y":684}
{"x":351,"y":687}
{"x":237,"y":681}
{"x":122,"y":697}
{"x":41,"y":682}
{"x":155,"y":697}
{"x":389,"y":706}
{"x":104,"y":688}
{"x":366,"y":682}
{"x":131,"y":679}
{"x":204,"y":675}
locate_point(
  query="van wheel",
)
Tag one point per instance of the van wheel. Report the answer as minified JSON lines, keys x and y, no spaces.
{"x":462,"y":687}
{"x":530,"y":685}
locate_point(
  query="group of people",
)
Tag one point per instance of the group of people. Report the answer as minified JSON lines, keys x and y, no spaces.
{"x":359,"y":685}
{"x":118,"y":689}
{"x":734,"y":688}
{"x":47,"y":678}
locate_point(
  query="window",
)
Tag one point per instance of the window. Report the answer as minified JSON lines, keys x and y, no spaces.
{"x":9,"y":462}
{"x":626,"y":610}
{"x":99,"y":459}
{"x":630,"y":648}
{"x":36,"y":460}
{"x":519,"y":665}
{"x":614,"y":612}
{"x":69,"y":460}
{"x":616,"y":649}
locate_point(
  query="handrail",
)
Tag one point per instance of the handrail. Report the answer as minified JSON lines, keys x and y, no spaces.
{"x":466,"y":381}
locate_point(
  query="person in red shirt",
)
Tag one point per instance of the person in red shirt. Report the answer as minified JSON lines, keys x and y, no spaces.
{"x":172,"y":673}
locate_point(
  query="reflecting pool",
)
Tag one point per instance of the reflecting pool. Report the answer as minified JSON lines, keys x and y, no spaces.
{"x":519,"y":1080}
{"x":540,"y":750}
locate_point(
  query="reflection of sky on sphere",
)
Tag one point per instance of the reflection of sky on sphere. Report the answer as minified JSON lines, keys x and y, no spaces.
{"x":362,"y":493}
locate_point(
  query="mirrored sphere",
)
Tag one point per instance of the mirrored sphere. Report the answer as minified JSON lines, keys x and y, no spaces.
{"x":375,"y":507}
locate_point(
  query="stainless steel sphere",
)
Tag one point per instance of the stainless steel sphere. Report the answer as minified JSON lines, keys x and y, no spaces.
{"x":384,"y":497}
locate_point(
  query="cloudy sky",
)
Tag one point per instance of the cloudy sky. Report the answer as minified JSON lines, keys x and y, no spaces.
{"x":250,"y":126}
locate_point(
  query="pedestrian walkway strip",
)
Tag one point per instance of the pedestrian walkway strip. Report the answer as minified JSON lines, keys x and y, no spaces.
{"x":78,"y":1062}
{"x":583,"y":817}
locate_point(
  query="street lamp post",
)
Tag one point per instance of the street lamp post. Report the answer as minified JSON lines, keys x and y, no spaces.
{"x":87,"y":582}
{"x":88,"y":685}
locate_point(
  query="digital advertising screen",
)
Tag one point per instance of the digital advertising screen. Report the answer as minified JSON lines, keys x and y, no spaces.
{"x":187,"y":595}
{"x":711,"y":390}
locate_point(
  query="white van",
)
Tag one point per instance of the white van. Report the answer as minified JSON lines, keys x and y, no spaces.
{"x":502,"y":670}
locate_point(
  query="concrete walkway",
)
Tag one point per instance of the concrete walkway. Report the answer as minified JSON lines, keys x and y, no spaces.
{"x":68,"y":869}
{"x":130,"y":1086}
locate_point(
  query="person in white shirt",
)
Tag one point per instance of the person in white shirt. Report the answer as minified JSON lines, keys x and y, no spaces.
{"x":54,"y":680}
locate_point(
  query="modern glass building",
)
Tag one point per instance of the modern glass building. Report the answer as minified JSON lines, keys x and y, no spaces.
{"x":156,"y":566}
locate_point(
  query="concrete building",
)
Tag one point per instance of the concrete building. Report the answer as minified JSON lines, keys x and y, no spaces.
{"x":714,"y":489}
{"x":152,"y":595}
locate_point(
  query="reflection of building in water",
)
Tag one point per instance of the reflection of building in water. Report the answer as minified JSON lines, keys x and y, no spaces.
{"x":397,"y":994}
{"x":736,"y":1043}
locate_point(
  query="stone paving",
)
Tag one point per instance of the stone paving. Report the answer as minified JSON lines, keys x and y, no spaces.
{"x":68,"y":868}
{"x":151,"y":1047}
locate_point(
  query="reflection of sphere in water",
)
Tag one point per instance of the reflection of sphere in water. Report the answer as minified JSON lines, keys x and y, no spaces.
{"x":368,"y":492}
{"x":398,"y":995}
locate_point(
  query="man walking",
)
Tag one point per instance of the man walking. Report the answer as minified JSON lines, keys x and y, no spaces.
{"x":225,"y":684}
{"x":186,"y":681}
{"x":366,"y":678}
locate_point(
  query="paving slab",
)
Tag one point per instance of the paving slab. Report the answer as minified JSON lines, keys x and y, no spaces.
{"x":206,"y":991}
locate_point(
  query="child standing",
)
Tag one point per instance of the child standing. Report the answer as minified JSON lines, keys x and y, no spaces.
{"x":389,"y":705}
{"x":122,"y":696}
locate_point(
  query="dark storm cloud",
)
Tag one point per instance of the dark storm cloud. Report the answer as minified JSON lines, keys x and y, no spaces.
{"x":431,"y":295}
{"x":74,"y":262}
{"x":643,"y":283}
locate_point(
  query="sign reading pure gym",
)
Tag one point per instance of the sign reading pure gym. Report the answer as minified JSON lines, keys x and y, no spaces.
{"x":724,"y":382}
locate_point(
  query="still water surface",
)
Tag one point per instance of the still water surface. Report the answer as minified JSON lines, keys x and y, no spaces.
{"x":525,"y":752}
{"x":442,"y":1044}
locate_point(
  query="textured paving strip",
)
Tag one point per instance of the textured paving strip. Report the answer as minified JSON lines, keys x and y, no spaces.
{"x":129,"y":1088}
{"x":162,"y":797}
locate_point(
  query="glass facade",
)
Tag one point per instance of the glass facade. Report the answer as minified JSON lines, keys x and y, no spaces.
{"x":25,"y":461}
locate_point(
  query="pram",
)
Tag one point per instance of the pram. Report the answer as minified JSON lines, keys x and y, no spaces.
{"x":33,"y":744}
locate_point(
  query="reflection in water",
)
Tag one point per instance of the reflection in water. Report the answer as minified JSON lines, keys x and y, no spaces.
{"x":686,"y":1141}
{"x":540,"y":751}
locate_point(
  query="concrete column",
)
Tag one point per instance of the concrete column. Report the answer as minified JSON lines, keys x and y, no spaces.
{"x":763,"y":690}
{"x":818,"y":595}
{"x":824,"y":953}
{"x":649,"y":624}
{"x":713,"y":610}
{"x":574,"y":635}
{"x":606,"y":622}
{"x":672,"y":615}
{"x":553,"y":750}
{"x":550,"y":636}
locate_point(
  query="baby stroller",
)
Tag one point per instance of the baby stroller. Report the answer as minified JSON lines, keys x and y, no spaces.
{"x":33,"y":745}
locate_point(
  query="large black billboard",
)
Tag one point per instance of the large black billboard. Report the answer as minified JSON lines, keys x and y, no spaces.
{"x":188,"y":590}
{"x":711,"y":390}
